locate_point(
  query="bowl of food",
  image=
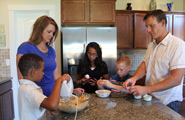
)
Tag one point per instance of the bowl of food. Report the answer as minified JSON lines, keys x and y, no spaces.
{"x":74,"y":103}
{"x":103,"y":93}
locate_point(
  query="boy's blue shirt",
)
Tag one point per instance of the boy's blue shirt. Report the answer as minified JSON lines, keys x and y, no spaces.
{"x":117,"y":81}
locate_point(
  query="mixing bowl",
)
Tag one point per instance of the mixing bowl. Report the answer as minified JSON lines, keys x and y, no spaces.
{"x":69,"y":105}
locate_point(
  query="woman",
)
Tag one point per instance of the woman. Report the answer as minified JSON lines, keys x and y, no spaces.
{"x":43,"y":35}
{"x":91,"y":68}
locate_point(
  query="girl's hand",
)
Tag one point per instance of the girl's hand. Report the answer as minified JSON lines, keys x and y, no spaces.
{"x":92,"y":82}
{"x":85,"y":80}
{"x":78,"y":91}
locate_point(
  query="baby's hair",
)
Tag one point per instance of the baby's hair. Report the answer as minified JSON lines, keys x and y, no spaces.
{"x":29,"y":61}
{"x":124,"y":59}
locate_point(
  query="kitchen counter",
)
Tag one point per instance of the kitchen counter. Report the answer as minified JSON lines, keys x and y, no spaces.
{"x":4,"y":79}
{"x":118,"y":107}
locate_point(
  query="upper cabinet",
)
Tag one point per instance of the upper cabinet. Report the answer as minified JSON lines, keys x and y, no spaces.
{"x":179,"y":26}
{"x":124,"y":24}
{"x":141,"y":36}
{"x":131,"y":30}
{"x":132,"y":33}
{"x":87,"y":12}
{"x":74,"y":11}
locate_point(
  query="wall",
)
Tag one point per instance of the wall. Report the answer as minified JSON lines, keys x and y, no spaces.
{"x":178,"y":5}
{"x":136,"y":56}
{"x":5,"y":21}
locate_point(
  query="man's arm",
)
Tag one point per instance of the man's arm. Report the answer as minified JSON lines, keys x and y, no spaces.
{"x":140,"y":72}
{"x":172,"y":81}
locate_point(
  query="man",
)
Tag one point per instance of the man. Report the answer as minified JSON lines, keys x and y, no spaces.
{"x":163,"y":64}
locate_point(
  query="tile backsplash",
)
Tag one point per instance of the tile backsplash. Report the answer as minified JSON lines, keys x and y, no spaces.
{"x":136,"y":56}
{"x":4,"y":69}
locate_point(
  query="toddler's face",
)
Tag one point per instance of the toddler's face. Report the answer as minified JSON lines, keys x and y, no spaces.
{"x":122,"y":69}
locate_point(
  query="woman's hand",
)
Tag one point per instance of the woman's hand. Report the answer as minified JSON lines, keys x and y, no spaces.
{"x":78,"y":91}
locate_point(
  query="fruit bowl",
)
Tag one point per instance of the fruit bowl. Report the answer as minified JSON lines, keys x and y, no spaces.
{"x":74,"y":103}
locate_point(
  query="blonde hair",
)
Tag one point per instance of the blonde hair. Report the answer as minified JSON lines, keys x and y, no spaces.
{"x":40,"y":24}
{"x":124,"y":59}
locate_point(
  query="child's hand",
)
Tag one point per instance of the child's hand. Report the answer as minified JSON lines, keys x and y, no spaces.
{"x":92,"y":82}
{"x":105,"y":83}
{"x":78,"y":91}
{"x":65,"y":77}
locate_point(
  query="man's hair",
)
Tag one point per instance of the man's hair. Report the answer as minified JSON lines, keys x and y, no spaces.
{"x":159,"y":14}
{"x":29,"y":61}
{"x":124,"y":59}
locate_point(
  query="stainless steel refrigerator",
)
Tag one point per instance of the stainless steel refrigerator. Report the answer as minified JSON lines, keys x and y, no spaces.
{"x":75,"y":40}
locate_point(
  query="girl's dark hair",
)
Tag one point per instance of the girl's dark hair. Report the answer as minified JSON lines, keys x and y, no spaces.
{"x":159,"y":14}
{"x":38,"y":27}
{"x":86,"y":63}
{"x":29,"y":61}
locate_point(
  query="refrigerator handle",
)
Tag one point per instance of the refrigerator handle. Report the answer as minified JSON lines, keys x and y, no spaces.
{"x":84,"y":48}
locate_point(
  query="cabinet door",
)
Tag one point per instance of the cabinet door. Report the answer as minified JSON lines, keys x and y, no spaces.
{"x":102,"y":11}
{"x":141,"y":36}
{"x":169,"y":22}
{"x":74,"y":12}
{"x":6,"y":106}
{"x":124,"y":24}
{"x":179,"y":26}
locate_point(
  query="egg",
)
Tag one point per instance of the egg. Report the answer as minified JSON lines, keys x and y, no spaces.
{"x":87,"y":76}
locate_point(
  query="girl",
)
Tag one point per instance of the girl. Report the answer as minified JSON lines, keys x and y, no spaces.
{"x":91,"y":68}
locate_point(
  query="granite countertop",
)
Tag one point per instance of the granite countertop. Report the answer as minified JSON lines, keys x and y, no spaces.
{"x":118,"y":107}
{"x":4,"y":79}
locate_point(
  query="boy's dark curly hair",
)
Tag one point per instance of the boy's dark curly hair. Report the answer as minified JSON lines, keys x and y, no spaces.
{"x":29,"y":61}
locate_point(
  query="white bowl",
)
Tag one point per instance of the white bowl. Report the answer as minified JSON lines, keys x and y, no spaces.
{"x":138,"y":97}
{"x":147,"y":97}
{"x":103,"y":93}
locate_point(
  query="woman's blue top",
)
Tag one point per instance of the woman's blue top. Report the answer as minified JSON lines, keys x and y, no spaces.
{"x":48,"y":81}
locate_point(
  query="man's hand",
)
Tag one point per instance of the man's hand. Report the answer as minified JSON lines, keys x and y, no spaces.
{"x":129,"y":83}
{"x":139,"y":90}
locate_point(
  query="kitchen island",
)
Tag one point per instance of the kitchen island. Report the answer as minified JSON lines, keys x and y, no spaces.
{"x":118,"y":107}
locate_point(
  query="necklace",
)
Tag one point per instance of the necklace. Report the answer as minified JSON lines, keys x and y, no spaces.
{"x":44,"y":50}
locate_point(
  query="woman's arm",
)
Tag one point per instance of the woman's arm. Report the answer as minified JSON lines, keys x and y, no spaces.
{"x":18,"y":71}
{"x":56,"y":72}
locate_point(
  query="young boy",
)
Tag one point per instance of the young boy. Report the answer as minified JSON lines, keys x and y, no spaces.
{"x":115,"y":83}
{"x":31,"y":100}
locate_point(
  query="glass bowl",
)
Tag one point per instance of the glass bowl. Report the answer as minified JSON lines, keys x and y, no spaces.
{"x":70,"y":105}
